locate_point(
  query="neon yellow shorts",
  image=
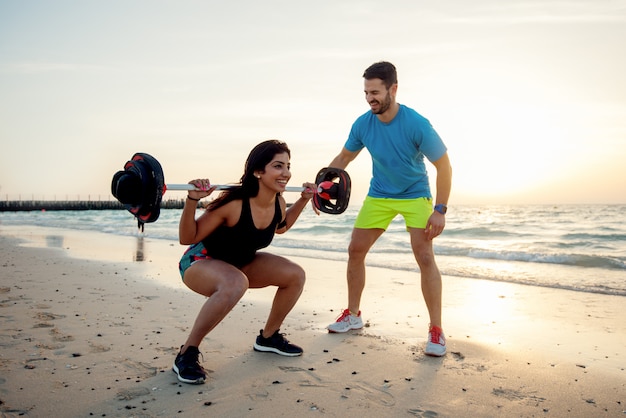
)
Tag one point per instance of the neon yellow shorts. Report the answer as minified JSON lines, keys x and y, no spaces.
{"x":379,"y":212}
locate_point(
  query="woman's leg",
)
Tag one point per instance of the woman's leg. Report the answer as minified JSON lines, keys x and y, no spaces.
{"x":223,"y":284}
{"x":272,"y":270}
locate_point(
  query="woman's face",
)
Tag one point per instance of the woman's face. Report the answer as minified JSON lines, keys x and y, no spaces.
{"x":277,"y":173}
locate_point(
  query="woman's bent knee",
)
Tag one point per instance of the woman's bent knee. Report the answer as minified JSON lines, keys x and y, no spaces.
{"x":298,"y":276}
{"x":236,"y":286}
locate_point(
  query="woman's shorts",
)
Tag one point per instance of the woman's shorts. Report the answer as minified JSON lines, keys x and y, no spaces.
{"x":377,"y":213}
{"x":194,"y":253}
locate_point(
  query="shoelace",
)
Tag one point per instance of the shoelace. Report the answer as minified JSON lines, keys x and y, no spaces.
{"x":283,"y":341}
{"x":435,"y":335}
{"x":279,"y":340}
{"x":192,"y":358}
{"x":344,"y":315}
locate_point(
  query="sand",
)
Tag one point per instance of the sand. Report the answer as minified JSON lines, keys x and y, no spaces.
{"x":90,"y":324}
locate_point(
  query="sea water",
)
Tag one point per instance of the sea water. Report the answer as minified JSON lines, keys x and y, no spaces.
{"x":576,"y":247}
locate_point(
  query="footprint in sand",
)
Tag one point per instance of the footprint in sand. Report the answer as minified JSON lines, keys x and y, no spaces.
{"x":140,"y":370}
{"x":258,"y":392}
{"x":132,"y":393}
{"x":47,"y":316}
{"x":168,"y":350}
{"x":98,"y":348}
{"x":300,"y":369}
{"x":7,"y":341}
{"x":516,"y":395}
{"x":418,"y":412}
{"x":12,"y":300}
{"x":373,"y":394}
{"x":49,"y":346}
{"x":143,"y":298}
{"x":59,"y":337}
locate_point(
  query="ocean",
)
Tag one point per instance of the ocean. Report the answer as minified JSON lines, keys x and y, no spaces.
{"x":575,"y":247}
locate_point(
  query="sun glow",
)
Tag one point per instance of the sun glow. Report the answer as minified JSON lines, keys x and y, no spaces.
{"x":520,"y":148}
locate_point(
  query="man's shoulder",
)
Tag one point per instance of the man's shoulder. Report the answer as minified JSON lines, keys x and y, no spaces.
{"x":410,"y":112}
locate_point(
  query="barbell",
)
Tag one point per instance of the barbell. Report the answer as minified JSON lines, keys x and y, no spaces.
{"x":141,"y":184}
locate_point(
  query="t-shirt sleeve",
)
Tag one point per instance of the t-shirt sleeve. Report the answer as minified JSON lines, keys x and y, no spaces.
{"x":431,"y":145}
{"x":354,"y":142}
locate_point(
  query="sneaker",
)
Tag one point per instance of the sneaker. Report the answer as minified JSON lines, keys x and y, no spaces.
{"x":436,"y":345}
{"x":187,"y":367}
{"x":346,"y":322}
{"x":278,"y":344}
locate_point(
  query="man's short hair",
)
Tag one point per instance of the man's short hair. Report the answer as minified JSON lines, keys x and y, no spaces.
{"x":384,"y":70}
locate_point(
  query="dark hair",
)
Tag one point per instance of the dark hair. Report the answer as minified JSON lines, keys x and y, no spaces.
{"x":260,"y":156}
{"x":384,"y":70}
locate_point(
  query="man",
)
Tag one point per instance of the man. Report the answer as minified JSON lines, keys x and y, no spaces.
{"x":398,"y":139}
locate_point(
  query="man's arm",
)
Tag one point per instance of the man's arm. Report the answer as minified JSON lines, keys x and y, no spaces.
{"x":343,"y":158}
{"x":437,"y":221}
{"x":444,"y":179}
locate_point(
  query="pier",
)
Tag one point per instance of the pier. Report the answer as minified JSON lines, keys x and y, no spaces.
{"x":44,"y":205}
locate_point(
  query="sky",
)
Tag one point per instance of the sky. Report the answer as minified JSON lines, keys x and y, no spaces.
{"x":528,"y":95}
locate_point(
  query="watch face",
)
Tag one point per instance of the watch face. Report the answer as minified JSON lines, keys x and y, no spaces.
{"x":441,"y":209}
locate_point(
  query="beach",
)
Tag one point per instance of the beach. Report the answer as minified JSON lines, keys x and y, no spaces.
{"x":90,"y":324}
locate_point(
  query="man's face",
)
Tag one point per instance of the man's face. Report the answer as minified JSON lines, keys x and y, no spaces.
{"x":377,"y":95}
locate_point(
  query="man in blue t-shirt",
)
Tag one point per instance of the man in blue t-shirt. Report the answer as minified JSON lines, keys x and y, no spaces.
{"x":397,"y":138}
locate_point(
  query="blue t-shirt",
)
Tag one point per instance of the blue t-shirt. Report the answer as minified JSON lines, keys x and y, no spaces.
{"x":397,"y":149}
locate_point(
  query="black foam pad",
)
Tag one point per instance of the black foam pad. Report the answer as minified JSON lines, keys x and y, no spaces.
{"x":140,"y":187}
{"x":340,"y":194}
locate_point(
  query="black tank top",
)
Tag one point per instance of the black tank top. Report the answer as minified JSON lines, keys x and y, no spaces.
{"x":238,"y":244}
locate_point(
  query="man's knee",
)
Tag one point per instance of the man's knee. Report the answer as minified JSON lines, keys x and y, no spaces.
{"x":425,"y":258}
{"x":357,"y":250}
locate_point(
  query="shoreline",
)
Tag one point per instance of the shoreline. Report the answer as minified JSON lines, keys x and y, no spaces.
{"x":80,"y":317}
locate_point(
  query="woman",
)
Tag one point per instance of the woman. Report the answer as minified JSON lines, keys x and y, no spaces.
{"x":222,"y":261}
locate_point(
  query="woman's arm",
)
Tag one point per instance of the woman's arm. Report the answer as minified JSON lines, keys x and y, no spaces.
{"x":188,"y":230}
{"x":293,"y":212}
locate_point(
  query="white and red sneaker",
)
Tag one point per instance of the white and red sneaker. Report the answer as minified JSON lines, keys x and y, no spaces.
{"x":346,"y":322}
{"x":436,"y":344}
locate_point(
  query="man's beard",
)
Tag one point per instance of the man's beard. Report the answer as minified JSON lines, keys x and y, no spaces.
{"x":384,"y":106}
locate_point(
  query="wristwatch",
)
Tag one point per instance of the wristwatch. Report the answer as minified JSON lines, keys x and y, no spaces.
{"x":441,"y":208}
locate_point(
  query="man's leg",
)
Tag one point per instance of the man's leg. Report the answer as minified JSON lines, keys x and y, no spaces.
{"x":430,"y":275}
{"x":431,"y":289}
{"x":360,"y":244}
{"x":362,"y":241}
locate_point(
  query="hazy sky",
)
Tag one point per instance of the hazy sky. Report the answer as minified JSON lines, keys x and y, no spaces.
{"x":529,"y":96}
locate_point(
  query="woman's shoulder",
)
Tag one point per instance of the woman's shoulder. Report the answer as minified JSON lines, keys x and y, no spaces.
{"x":227,"y":210}
{"x":234,"y":205}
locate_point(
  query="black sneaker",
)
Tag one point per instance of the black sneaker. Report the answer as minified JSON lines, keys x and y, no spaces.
{"x":187,"y":367}
{"x":276,"y":344}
